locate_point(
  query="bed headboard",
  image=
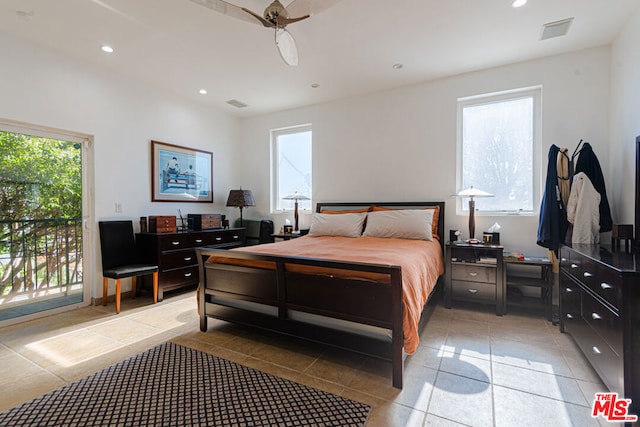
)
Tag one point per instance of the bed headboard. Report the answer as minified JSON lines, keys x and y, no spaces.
{"x":342,"y":206}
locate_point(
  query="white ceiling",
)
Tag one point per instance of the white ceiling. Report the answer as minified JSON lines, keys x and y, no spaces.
{"x":180,"y":47}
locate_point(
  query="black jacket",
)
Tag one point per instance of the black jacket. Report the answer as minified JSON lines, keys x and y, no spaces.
{"x":589,"y":164}
{"x":553,"y":224}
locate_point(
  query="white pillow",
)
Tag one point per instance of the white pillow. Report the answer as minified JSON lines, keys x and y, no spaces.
{"x":348,"y":225}
{"x":400,"y":223}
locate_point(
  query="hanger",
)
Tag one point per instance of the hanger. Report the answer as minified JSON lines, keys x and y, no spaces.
{"x":577,"y":150}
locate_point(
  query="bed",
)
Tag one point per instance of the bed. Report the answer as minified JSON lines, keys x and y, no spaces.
{"x":360,"y":289}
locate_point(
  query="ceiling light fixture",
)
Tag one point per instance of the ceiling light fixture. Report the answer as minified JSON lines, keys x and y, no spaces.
{"x":203,"y":91}
{"x":315,"y":85}
{"x":106,"y":48}
{"x":397,"y":66}
{"x":519,"y":3}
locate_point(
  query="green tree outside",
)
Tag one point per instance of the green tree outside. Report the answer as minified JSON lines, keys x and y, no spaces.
{"x":40,"y":212}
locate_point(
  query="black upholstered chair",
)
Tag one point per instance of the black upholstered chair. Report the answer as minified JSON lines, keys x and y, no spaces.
{"x":120,"y":259}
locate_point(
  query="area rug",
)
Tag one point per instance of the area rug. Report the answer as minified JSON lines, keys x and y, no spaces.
{"x":173,"y":385}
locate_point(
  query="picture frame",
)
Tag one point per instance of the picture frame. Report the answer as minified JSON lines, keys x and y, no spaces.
{"x":180,"y":174}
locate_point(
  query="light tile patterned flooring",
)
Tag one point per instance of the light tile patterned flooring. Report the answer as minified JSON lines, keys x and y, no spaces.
{"x":472,"y":367}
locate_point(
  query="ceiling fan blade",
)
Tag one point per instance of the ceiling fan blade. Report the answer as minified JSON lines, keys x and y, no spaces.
{"x":286,"y":46}
{"x":283,"y":22}
{"x":309,"y":7}
{"x":259,"y":18}
{"x":231,"y":10}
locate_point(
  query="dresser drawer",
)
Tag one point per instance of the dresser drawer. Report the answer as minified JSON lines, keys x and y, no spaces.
{"x":473,"y":291}
{"x":604,"y":360}
{"x":577,"y":264}
{"x":216,"y":238}
{"x":178,"y":259}
{"x":174,"y":242}
{"x":473,"y":273}
{"x":607,"y":285}
{"x":605,"y":322}
{"x":182,"y":276}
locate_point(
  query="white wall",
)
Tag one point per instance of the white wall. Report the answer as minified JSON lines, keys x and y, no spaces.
{"x":400,"y":145}
{"x":625,"y":119}
{"x":39,"y":87}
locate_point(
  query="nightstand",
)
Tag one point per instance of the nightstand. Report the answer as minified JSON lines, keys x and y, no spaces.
{"x":287,"y":236}
{"x":475,"y":273}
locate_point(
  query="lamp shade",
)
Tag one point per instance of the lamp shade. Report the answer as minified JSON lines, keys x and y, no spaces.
{"x":295,"y":196}
{"x":472,"y":192}
{"x":240,"y":198}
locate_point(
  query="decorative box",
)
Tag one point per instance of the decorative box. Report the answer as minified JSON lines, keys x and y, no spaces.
{"x":162,"y":224}
{"x":205,"y":221}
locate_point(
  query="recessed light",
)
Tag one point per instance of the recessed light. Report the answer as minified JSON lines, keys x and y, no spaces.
{"x":397,"y":66}
{"x":315,"y":85}
{"x":203,"y":91}
{"x":518,"y":3}
{"x":106,"y":48}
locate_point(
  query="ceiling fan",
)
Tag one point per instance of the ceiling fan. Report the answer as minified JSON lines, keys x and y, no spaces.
{"x":275,"y":16}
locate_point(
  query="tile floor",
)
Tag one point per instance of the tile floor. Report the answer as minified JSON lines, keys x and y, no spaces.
{"x":472,"y":368}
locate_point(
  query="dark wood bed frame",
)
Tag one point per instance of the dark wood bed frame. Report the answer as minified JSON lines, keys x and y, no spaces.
{"x":363,"y":302}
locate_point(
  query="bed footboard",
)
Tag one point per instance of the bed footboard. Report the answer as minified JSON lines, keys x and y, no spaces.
{"x":324,"y":305}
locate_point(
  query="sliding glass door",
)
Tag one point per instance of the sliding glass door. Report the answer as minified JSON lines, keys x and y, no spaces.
{"x":41,"y":222}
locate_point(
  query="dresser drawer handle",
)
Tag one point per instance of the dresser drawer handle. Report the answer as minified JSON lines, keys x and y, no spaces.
{"x":574,"y":265}
{"x":569,"y":316}
{"x":473,"y":291}
{"x":175,"y":243}
{"x":596,"y":316}
{"x":587,"y":274}
{"x":596,"y":350}
{"x":569,"y":290}
{"x":605,"y":286}
{"x":236,"y":237}
{"x":188,"y":258}
{"x":187,"y":274}
{"x":473,"y":274}
{"x":218,"y":239}
{"x":198,"y":240}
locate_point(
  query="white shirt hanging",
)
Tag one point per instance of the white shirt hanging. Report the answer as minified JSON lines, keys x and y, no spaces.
{"x":583,"y":210}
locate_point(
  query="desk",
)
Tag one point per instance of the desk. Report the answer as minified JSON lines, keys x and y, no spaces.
{"x":544,"y":281}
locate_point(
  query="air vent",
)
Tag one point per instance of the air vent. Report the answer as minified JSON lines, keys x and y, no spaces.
{"x":236,"y":103}
{"x":556,"y":29}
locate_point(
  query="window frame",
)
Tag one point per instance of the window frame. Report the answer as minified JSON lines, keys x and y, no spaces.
{"x":275,"y":173}
{"x":534,"y":92}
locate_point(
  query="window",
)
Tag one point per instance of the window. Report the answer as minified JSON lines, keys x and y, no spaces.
{"x":498,"y":142}
{"x":291,"y":167}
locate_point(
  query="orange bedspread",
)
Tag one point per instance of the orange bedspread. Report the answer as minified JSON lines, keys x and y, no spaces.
{"x":421,"y":262}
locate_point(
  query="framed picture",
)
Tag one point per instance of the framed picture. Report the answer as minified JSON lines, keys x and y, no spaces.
{"x":180,"y":174}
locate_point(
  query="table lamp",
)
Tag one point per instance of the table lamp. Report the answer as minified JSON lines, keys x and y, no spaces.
{"x":239,"y":199}
{"x":472,"y":192}
{"x":295,"y":196}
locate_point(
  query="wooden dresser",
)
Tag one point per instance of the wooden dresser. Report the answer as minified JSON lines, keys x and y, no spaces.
{"x":600,"y":308}
{"x":175,"y":255}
